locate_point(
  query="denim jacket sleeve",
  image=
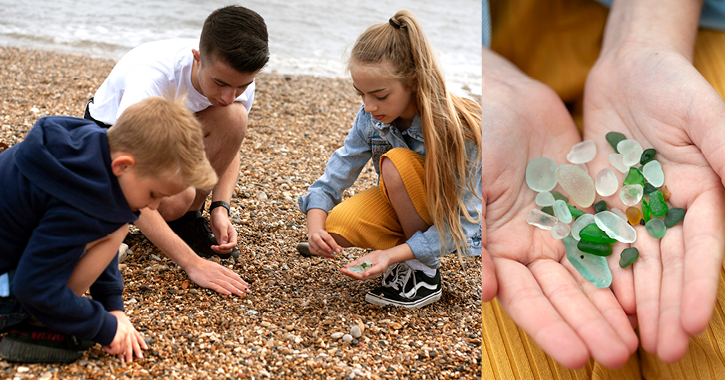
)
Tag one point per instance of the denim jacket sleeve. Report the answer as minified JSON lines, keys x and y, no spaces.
{"x":342,"y":169}
{"x":426,"y":246}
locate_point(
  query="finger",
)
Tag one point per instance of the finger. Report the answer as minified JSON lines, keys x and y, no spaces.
{"x":142,"y":341}
{"x":647,"y":272}
{"x":578,"y":311}
{"x":320,"y":246}
{"x":349,"y":273}
{"x":703,"y":229}
{"x":672,"y":339}
{"x":522,"y":298}
{"x":489,"y":285}
{"x":136,"y":346}
{"x":609,"y":307}
{"x":622,"y":280}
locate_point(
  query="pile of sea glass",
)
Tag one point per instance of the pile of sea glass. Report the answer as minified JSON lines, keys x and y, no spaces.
{"x":588,"y":240}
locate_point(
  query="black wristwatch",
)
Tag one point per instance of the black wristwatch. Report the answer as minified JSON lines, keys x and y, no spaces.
{"x":220,"y":204}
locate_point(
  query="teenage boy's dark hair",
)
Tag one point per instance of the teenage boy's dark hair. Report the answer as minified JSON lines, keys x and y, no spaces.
{"x":236,"y":36}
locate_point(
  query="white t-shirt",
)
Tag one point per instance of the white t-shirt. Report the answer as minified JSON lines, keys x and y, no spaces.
{"x":149,"y":70}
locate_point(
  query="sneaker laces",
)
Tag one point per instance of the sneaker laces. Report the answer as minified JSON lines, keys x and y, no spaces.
{"x":402,"y":273}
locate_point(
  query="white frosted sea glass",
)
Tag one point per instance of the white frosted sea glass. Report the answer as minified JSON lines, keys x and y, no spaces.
{"x":631,"y":194}
{"x":540,"y":174}
{"x":615,"y":227}
{"x":561,"y":211}
{"x":560,"y":230}
{"x":616,"y":160}
{"x":652,"y":172}
{"x":582,"y":153}
{"x":580,"y":223}
{"x":631,"y":151}
{"x":606,"y":182}
{"x":541,"y":219}
{"x":544,"y":199}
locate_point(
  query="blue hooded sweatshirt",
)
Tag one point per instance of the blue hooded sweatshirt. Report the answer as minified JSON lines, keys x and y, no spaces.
{"x":57,"y":194}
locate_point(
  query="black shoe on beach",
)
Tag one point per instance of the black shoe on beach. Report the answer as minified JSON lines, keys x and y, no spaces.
{"x":29,"y":343}
{"x":403,"y":286}
{"x":194,"y":229}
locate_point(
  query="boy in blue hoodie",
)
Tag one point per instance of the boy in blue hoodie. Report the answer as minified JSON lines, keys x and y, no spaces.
{"x":68,"y":193}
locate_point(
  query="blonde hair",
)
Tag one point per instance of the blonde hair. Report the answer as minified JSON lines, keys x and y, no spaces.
{"x":448,"y":121}
{"x":164,"y":136}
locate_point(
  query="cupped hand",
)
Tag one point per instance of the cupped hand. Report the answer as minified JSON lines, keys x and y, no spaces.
{"x":323,"y":244}
{"x":128,"y":341}
{"x":211,"y":275}
{"x":379,"y":260}
{"x":223,"y":230}
{"x":655,"y":96}
{"x":567,"y":316}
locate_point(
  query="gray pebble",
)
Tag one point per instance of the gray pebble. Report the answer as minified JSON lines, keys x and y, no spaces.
{"x":355,"y":332}
{"x":347,"y":338}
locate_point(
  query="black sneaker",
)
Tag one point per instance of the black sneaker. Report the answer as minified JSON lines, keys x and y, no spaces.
{"x":29,"y":343}
{"x":403,"y":286}
{"x":194,"y":229}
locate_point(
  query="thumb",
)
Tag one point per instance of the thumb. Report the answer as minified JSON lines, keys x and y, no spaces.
{"x":489,"y":284}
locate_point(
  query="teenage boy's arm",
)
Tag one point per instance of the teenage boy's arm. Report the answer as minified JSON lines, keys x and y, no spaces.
{"x":204,"y":273}
{"x":221,"y":226}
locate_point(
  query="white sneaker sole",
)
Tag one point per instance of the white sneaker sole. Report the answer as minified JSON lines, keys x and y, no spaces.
{"x":377,"y":300}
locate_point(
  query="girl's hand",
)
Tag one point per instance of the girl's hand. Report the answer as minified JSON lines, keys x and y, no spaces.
{"x":379,"y":261}
{"x":127,"y":341}
{"x":323,"y":244}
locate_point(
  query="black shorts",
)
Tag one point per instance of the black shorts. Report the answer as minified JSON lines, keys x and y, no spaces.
{"x":87,"y":116}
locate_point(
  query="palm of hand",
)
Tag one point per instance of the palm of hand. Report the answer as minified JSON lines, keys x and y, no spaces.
{"x":660,"y":100}
{"x":565,"y":315}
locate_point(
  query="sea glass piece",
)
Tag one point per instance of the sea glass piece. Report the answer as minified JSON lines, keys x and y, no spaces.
{"x":647,"y":156}
{"x":600,"y":206}
{"x":544,"y":198}
{"x":582,"y":153}
{"x":599,"y":249}
{"x":615,"y":227}
{"x":362,"y":267}
{"x":613,"y":138}
{"x":646,"y":213}
{"x":633,"y":215}
{"x":541,"y":219}
{"x":548,"y":210}
{"x":657,"y":205}
{"x":595,"y":234}
{"x":656,"y":228}
{"x":634,"y":177}
{"x":652,"y":171}
{"x":672,"y":217}
{"x":540,"y":174}
{"x":575,"y":212}
{"x":592,"y":267}
{"x":665,"y":193}
{"x":558,"y":195}
{"x":628,"y":256}
{"x":583,"y":167}
{"x":648,"y":188}
{"x":560,"y":230}
{"x":561,"y":211}
{"x":618,"y":213}
{"x":631,"y":194}
{"x":578,"y":184}
{"x":631,"y":151}
{"x":617,"y":160}
{"x":606,"y":182}
{"x":580,"y":223}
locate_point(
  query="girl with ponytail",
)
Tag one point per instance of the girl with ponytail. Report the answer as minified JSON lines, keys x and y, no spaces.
{"x":425,"y":144}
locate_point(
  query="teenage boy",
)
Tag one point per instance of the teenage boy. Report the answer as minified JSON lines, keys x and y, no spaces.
{"x":69,"y":191}
{"x":217,"y":72}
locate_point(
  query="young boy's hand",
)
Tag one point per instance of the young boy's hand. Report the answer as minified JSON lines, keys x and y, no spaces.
{"x":127,"y":341}
{"x":379,"y":260}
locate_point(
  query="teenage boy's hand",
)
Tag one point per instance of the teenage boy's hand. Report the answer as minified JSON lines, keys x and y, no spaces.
{"x":127,"y":341}
{"x":223,"y":230}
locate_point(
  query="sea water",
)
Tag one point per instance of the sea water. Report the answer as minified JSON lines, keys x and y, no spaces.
{"x":307,"y":37}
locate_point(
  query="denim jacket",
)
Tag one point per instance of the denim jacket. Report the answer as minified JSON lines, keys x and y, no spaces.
{"x":369,"y":138}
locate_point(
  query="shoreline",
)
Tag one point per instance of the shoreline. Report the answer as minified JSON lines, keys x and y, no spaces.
{"x":285,"y":327}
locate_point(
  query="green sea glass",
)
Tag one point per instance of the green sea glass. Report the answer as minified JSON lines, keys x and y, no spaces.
{"x":648,"y":189}
{"x":634,"y":177}
{"x":575,"y":212}
{"x":362,"y":267}
{"x":548,"y":210}
{"x":599,"y":249}
{"x":595,"y":234}
{"x":647,"y":156}
{"x":600,"y":206}
{"x":646,"y":213}
{"x":592,"y":267}
{"x":656,"y":228}
{"x":628,"y":256}
{"x":614,"y":138}
{"x":657,"y":204}
{"x":674,"y":216}
{"x":557,"y":195}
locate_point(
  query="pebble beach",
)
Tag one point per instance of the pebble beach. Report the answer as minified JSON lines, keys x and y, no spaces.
{"x":303,"y":318}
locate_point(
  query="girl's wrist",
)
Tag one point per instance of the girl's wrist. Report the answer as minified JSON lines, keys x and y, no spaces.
{"x":660,"y":24}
